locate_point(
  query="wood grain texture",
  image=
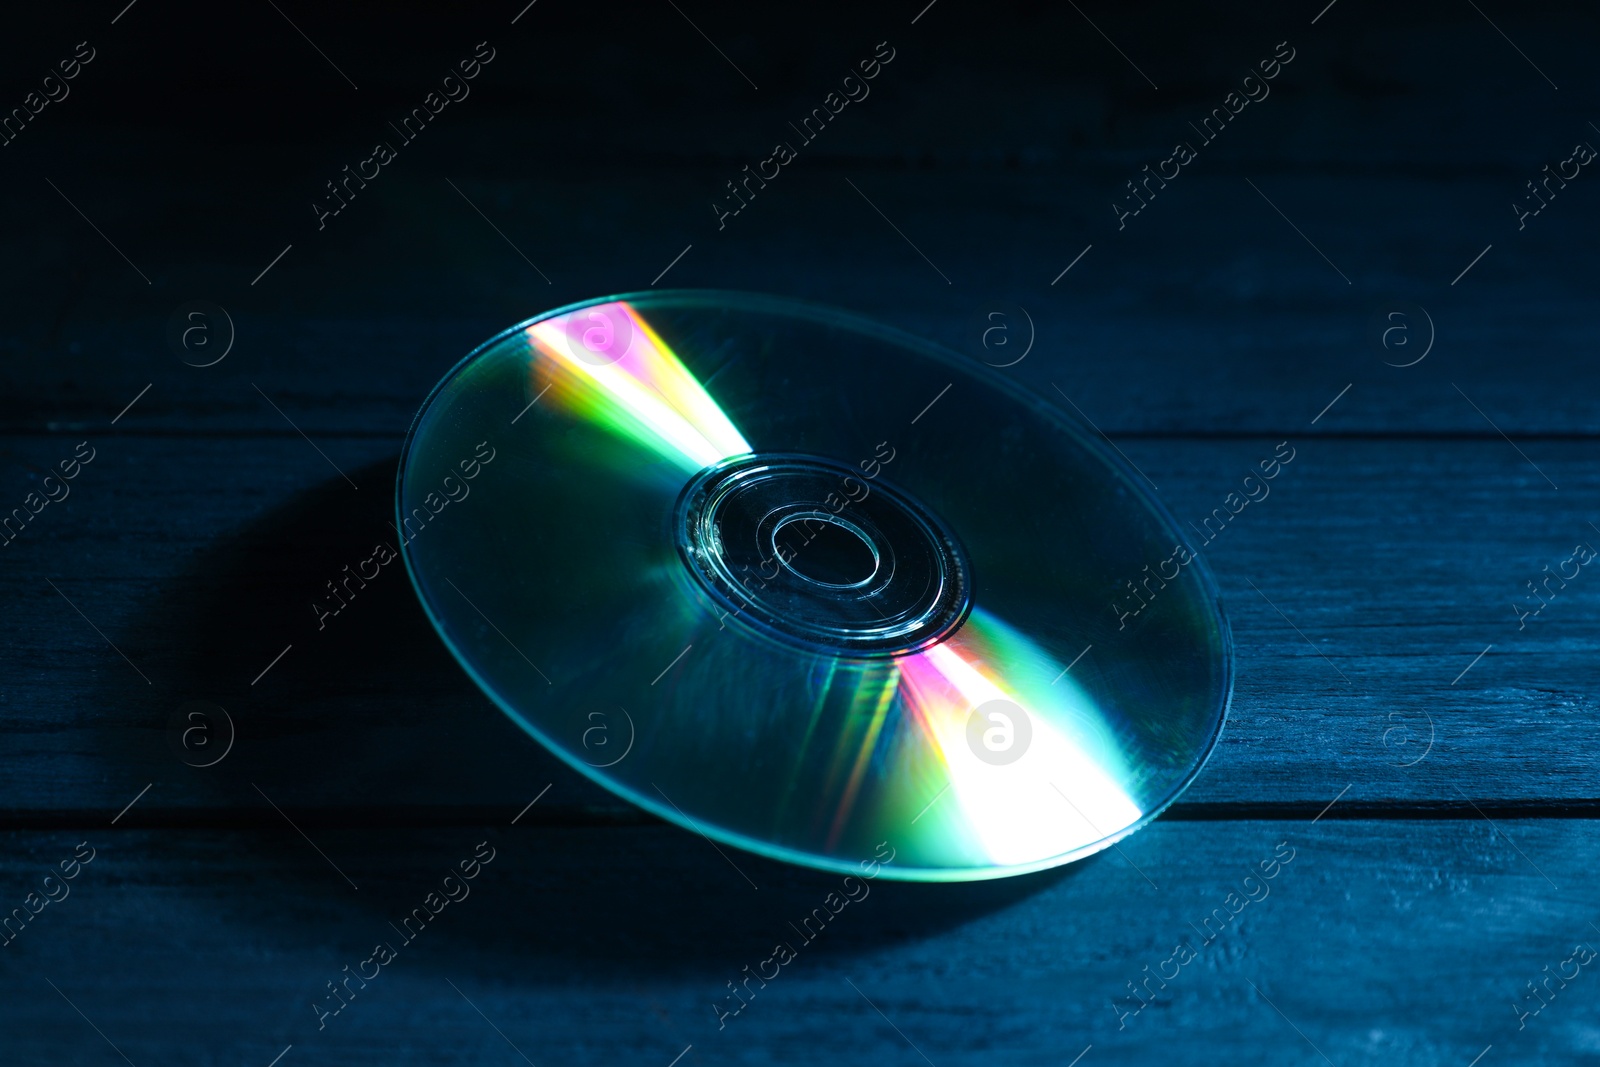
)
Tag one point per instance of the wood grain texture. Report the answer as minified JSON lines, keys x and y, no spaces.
{"x":995,"y":143}
{"x":1214,"y":317}
{"x":612,"y":945}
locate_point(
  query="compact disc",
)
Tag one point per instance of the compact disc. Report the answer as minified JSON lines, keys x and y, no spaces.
{"x":812,"y":587}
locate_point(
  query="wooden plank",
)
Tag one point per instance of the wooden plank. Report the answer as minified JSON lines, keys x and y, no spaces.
{"x":1207,"y":312}
{"x":607,"y":946}
{"x":1211,"y":319}
{"x":1362,"y":592}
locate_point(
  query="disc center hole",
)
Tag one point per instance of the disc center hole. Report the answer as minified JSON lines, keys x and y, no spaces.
{"x":825,"y":550}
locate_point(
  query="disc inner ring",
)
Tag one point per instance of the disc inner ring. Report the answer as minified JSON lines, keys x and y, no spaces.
{"x":831,"y":551}
{"x":806,"y":550}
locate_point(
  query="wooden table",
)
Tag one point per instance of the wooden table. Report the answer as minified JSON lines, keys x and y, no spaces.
{"x":1425,"y":761}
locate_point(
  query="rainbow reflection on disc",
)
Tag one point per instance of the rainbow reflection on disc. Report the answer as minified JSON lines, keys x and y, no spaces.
{"x":846,"y":587}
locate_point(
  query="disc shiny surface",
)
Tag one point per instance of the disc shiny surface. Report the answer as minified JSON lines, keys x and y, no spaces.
{"x":812,"y":587}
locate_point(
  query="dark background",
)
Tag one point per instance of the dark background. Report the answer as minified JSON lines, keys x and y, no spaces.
{"x":1454,"y":867}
